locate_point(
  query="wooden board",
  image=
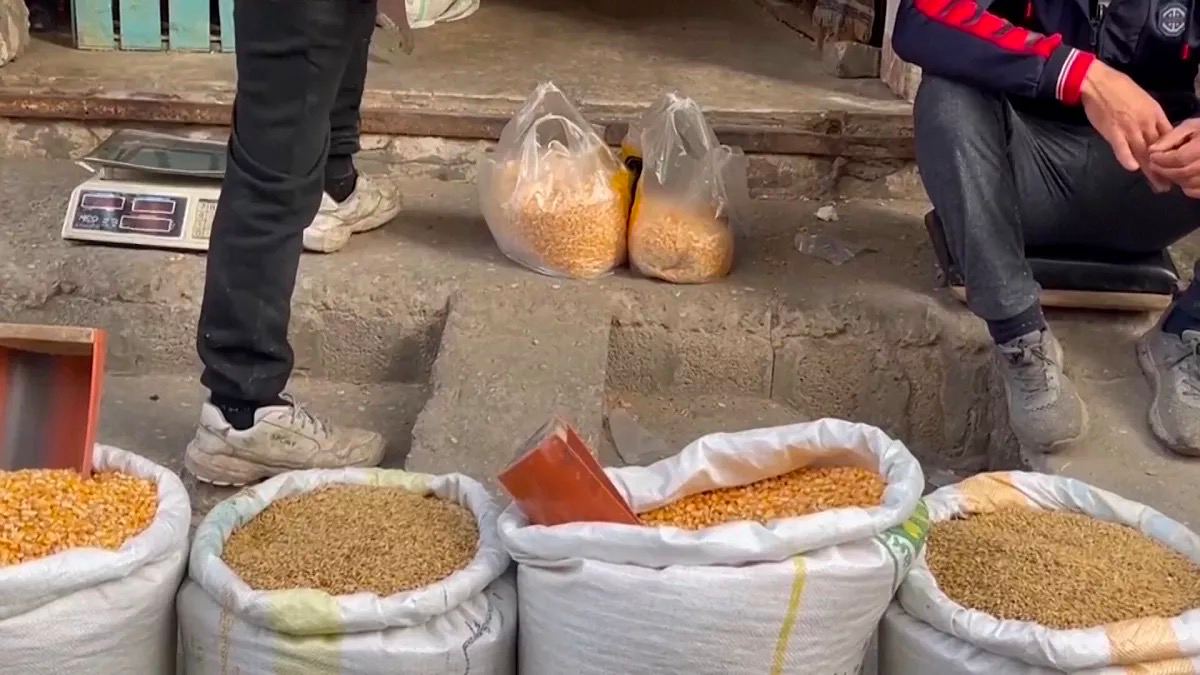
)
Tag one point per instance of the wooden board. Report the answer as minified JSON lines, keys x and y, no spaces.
{"x":188,"y":25}
{"x":225,"y":12}
{"x":141,"y":25}
{"x":1114,"y":302}
{"x":93,"y":21}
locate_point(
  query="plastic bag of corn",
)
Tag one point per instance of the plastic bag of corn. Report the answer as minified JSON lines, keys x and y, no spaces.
{"x":679,"y":229}
{"x":553,"y":194}
{"x":108,"y":612}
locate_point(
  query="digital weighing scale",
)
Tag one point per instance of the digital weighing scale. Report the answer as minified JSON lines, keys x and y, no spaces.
{"x":149,"y":189}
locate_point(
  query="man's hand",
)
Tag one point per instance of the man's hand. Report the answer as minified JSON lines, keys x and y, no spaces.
{"x":1176,"y":157}
{"x":1125,"y":115}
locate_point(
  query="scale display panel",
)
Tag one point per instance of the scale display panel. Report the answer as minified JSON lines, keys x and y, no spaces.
{"x":142,"y":214}
{"x":116,"y":212}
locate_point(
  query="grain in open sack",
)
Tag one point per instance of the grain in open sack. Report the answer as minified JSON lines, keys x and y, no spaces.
{"x":1059,"y":569}
{"x":346,"y":539}
{"x":43,"y":512}
{"x":797,"y":493}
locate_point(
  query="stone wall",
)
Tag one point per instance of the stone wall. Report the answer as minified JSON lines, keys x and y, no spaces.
{"x":903,"y":78}
{"x":14,"y":29}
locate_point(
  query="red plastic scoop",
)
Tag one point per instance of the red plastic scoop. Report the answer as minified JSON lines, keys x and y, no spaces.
{"x":50,"y":379}
{"x":555,"y":479}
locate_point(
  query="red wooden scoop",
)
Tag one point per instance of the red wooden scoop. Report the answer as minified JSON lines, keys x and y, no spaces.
{"x":50,"y":379}
{"x":555,"y":480}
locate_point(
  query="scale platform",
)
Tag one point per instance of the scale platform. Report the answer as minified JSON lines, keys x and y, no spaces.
{"x":149,"y":189}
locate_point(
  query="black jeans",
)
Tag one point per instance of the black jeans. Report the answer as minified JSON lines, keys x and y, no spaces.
{"x":301,"y":68}
{"x":1001,"y":179}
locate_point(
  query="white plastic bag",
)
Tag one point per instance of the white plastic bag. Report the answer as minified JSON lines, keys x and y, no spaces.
{"x":679,"y":227}
{"x":553,"y":194}
{"x":95,"y":611}
{"x":425,"y":13}
{"x":466,"y":622}
{"x":1153,"y":645}
{"x":799,"y":595}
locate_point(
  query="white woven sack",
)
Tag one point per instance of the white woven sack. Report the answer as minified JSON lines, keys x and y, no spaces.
{"x":96,"y":611}
{"x":466,"y":622}
{"x":1146,"y":645}
{"x":799,"y":595}
{"x":909,"y":647}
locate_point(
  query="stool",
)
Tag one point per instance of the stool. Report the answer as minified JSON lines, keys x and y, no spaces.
{"x":1075,"y":278}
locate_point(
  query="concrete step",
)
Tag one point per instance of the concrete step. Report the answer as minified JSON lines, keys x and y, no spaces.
{"x":497,"y":380}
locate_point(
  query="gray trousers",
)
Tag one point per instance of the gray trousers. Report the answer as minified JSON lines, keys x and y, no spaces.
{"x":1001,"y":180}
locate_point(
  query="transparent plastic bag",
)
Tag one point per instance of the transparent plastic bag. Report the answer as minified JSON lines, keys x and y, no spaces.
{"x":679,"y":229}
{"x":553,"y":194}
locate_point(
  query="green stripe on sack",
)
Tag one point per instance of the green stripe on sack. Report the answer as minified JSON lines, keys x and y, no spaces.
{"x":905,"y":541}
{"x":306,"y":611}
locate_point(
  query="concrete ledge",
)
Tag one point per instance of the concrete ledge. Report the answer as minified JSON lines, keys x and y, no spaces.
{"x":507,"y":363}
{"x":824,"y":133}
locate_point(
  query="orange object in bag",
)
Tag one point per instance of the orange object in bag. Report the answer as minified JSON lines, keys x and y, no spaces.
{"x":556,"y":480}
{"x":50,"y":381}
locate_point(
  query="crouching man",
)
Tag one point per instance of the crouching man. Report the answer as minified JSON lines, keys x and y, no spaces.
{"x":1063,"y":123}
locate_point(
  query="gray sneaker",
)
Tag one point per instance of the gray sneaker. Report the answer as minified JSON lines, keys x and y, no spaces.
{"x":283,"y":438}
{"x":1172,"y":364}
{"x":1044,"y":408}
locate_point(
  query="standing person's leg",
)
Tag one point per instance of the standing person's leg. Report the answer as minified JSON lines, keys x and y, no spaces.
{"x":290,"y":59}
{"x":352,"y":203}
{"x":987,"y":172}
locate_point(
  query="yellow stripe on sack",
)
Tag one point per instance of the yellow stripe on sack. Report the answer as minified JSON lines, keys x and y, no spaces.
{"x":789,"y":618}
{"x":1172,"y":667}
{"x":988,"y":492}
{"x":1143,"y":641}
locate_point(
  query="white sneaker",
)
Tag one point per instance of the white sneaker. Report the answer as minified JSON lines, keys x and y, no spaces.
{"x":283,"y":438}
{"x":373,"y":203}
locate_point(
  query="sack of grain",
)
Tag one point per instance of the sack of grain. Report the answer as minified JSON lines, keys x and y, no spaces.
{"x":464,"y":622}
{"x":108,"y":612}
{"x":679,"y":229}
{"x":797,"y":595}
{"x":1070,"y":565}
{"x":908,"y":646}
{"x":553,"y":194}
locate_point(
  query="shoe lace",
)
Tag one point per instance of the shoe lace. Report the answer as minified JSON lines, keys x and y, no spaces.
{"x":1188,"y":363}
{"x":1033,"y":367}
{"x":305,"y":419}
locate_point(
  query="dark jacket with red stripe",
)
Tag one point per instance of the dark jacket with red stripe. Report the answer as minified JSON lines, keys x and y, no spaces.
{"x":1038,"y":51}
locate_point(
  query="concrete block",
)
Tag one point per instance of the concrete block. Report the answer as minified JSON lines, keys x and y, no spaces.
{"x":508,"y":361}
{"x":849,"y":60}
{"x":902,"y":78}
{"x":652,"y":358}
{"x":14,"y":29}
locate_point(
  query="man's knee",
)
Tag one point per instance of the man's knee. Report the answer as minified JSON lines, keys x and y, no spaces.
{"x":947,"y":109}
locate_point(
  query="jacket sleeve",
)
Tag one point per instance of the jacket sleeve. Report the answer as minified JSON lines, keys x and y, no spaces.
{"x":958,"y":40}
